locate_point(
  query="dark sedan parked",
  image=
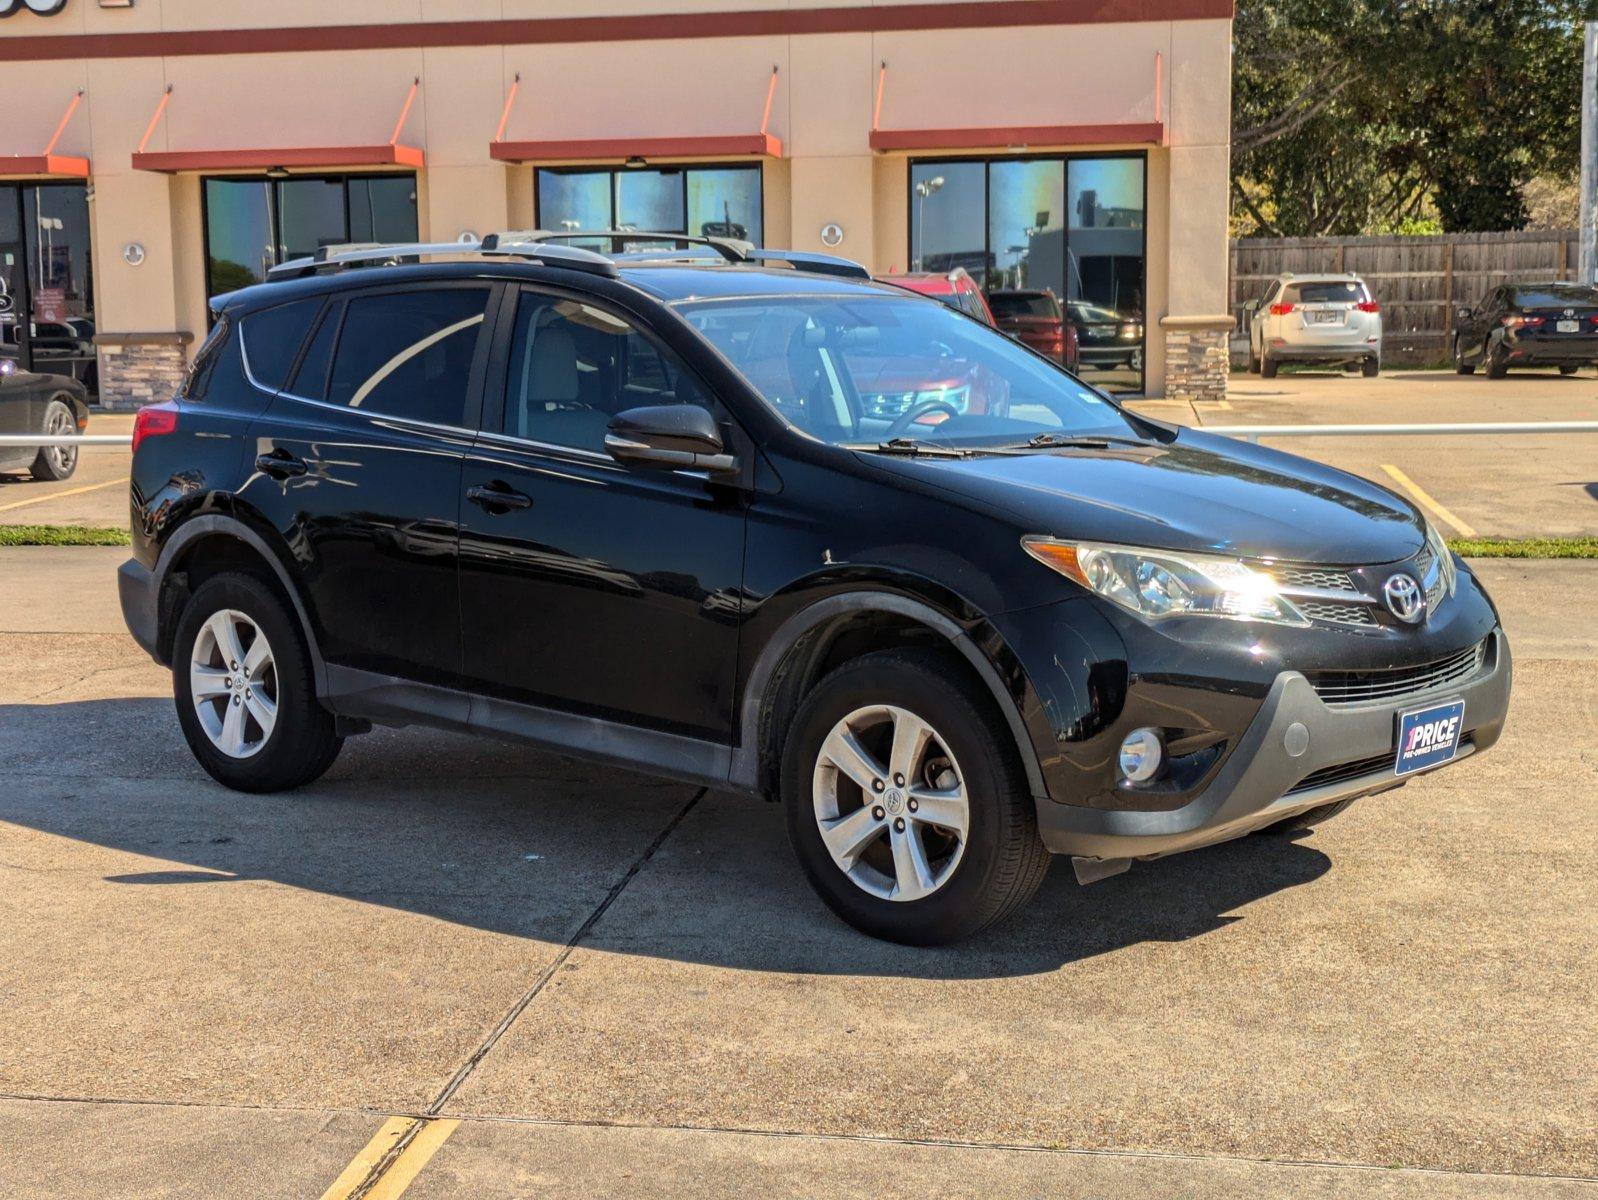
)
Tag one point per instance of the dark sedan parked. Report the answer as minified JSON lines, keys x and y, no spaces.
{"x":1528,"y":325}
{"x":31,"y":402}
{"x":1106,"y":338}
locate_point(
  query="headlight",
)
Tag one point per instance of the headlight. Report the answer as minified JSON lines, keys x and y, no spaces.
{"x":957,"y":398}
{"x":1163,"y":583}
{"x":1448,"y":574}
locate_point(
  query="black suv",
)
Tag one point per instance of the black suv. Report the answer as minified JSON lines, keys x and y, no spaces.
{"x":630,"y":507}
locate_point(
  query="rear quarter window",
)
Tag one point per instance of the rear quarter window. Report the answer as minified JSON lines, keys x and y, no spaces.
{"x":272,"y":339}
{"x":198,"y":377}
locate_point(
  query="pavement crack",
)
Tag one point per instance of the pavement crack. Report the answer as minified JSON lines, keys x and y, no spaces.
{"x":382,"y":1166}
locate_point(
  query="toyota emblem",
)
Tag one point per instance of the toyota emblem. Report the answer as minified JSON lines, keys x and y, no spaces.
{"x":1404,"y":598}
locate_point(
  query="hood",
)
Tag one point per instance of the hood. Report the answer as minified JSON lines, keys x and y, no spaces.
{"x":1200,"y":492}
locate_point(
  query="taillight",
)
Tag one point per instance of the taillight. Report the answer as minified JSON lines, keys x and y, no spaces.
{"x":154,"y":420}
{"x":1517,"y":322}
{"x":1281,"y":310}
{"x":1368,"y":306}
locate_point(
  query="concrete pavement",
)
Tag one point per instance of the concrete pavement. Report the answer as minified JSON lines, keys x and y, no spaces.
{"x":207,"y":993}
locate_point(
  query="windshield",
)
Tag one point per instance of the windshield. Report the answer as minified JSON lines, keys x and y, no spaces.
{"x":861,"y":370}
{"x":1023,"y":304}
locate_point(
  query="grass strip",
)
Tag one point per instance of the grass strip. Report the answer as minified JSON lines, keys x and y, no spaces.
{"x":1549,"y":547}
{"x":62,"y":535}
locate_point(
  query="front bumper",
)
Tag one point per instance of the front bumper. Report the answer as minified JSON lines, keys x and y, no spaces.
{"x":1259,"y":784}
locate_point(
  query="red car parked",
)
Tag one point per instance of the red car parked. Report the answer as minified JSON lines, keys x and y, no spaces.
{"x":955,"y":288}
{"x":1033,"y":317}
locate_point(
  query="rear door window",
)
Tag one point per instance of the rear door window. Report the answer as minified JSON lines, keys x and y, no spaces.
{"x":272,"y":339}
{"x":409,"y":354}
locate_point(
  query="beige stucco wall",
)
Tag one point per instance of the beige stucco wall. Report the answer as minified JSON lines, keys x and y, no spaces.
{"x":1036,"y":75}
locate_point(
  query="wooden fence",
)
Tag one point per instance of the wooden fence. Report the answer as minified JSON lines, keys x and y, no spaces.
{"x":1419,"y":281}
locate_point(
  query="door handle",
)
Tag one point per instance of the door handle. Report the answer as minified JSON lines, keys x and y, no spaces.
{"x":280,"y":464}
{"x":497,"y":497}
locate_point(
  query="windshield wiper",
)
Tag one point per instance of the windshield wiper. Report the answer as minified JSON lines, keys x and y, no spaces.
{"x":1045,"y":441}
{"x":906,"y":445}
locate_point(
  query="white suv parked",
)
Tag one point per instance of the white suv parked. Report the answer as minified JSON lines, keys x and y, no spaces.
{"x":1314,"y":318}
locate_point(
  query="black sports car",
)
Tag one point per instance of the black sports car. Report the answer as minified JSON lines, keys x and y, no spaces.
{"x":31,"y":402}
{"x":1528,"y":325}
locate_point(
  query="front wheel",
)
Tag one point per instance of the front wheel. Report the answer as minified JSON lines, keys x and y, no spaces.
{"x":1567,"y":370}
{"x":906,"y":804}
{"x":57,"y":462}
{"x":246,"y":697}
{"x":1497,"y":368}
{"x":1461,"y":367}
{"x":1371,"y":368}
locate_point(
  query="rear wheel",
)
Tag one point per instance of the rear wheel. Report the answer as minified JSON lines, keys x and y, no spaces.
{"x":1497,"y":368}
{"x":906,"y":805}
{"x":1371,"y":368}
{"x":1567,"y":370}
{"x":57,"y":462}
{"x":1461,"y":367}
{"x":1253,"y":361}
{"x":246,"y":697}
{"x":1268,"y":367}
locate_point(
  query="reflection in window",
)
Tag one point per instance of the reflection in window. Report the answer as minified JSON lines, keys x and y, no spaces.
{"x":46,"y":271}
{"x":946,"y":222}
{"x":1070,"y":225}
{"x":253,"y":224}
{"x":703,"y":201}
{"x":409,"y":354}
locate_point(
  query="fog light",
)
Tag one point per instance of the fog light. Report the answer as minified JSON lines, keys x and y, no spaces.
{"x":1141,"y":755}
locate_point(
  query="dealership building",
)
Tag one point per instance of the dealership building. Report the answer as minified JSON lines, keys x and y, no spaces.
{"x":155,"y":153}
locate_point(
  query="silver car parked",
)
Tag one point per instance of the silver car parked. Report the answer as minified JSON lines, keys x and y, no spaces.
{"x":1315,"y":318}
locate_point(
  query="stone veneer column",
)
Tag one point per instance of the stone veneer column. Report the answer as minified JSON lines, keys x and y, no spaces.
{"x":140,"y":368}
{"x":1197,"y":357}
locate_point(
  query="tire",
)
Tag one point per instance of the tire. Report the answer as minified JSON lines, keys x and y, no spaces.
{"x":1307,"y":819}
{"x":1371,"y":368}
{"x":1461,"y":367}
{"x":57,"y":462}
{"x":970,"y":882}
{"x":1496,"y":367}
{"x":1268,"y":367}
{"x":1567,"y":370}
{"x":1253,"y":361}
{"x":301,"y":742}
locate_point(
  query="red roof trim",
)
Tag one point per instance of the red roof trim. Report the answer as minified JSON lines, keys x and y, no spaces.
{"x":59,"y":166}
{"x":284,"y":156}
{"x":410,"y":35}
{"x":1150,"y":133}
{"x":710,"y":146}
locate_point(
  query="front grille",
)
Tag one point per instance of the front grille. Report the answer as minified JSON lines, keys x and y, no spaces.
{"x":1423,"y":567}
{"x":1342,"y":771}
{"x":1343,"y":688}
{"x":1325,"y":579}
{"x":1336,"y":614}
{"x":1376,"y":764}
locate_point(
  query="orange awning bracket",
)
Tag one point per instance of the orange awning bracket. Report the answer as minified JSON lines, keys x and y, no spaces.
{"x":160,"y":111}
{"x":882,"y":81}
{"x":50,"y":163}
{"x":510,"y":101}
{"x":405,"y":112}
{"x":771,"y":92}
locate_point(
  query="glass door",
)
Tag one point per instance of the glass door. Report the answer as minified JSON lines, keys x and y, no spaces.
{"x":47,"y":280}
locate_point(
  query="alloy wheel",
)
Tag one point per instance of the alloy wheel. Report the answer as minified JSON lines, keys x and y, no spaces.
{"x":891,"y":803}
{"x":233,"y":683}
{"x":60,"y":424}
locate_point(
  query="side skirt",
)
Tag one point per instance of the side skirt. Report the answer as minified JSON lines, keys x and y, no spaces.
{"x":386,"y":700}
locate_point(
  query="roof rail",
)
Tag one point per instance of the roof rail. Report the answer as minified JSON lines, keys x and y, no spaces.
{"x":353,"y":254}
{"x":733,"y":250}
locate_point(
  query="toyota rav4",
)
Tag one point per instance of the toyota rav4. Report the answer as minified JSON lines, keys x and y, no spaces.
{"x":635,"y":507}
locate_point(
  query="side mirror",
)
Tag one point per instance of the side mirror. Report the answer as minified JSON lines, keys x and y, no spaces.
{"x":1463,"y":314}
{"x":669,"y":436}
{"x":1251,"y":306}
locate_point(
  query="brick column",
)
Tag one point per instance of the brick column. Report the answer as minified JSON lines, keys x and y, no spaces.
{"x":1197,"y":357}
{"x":140,"y":368}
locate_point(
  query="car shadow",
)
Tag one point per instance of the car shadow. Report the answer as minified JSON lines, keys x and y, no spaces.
{"x":507,"y":839}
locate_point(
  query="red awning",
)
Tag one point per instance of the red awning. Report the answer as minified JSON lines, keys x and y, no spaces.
{"x":386,"y":155}
{"x":1151,"y":133}
{"x":56,"y":166}
{"x":709,"y":146}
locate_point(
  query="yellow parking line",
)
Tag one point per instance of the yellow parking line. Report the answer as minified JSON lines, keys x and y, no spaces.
{"x":371,"y":1154}
{"x":429,"y":1136}
{"x":93,"y":487}
{"x":1425,"y":501}
{"x":412,"y":1159}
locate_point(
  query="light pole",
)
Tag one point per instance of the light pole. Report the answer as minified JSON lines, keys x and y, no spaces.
{"x":1587,"y":256}
{"x":924,"y":189}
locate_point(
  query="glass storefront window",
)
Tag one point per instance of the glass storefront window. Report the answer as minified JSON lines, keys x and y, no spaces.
{"x":47,"y":280}
{"x":702,"y":201}
{"x":253,"y":224}
{"x":1071,"y":225}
